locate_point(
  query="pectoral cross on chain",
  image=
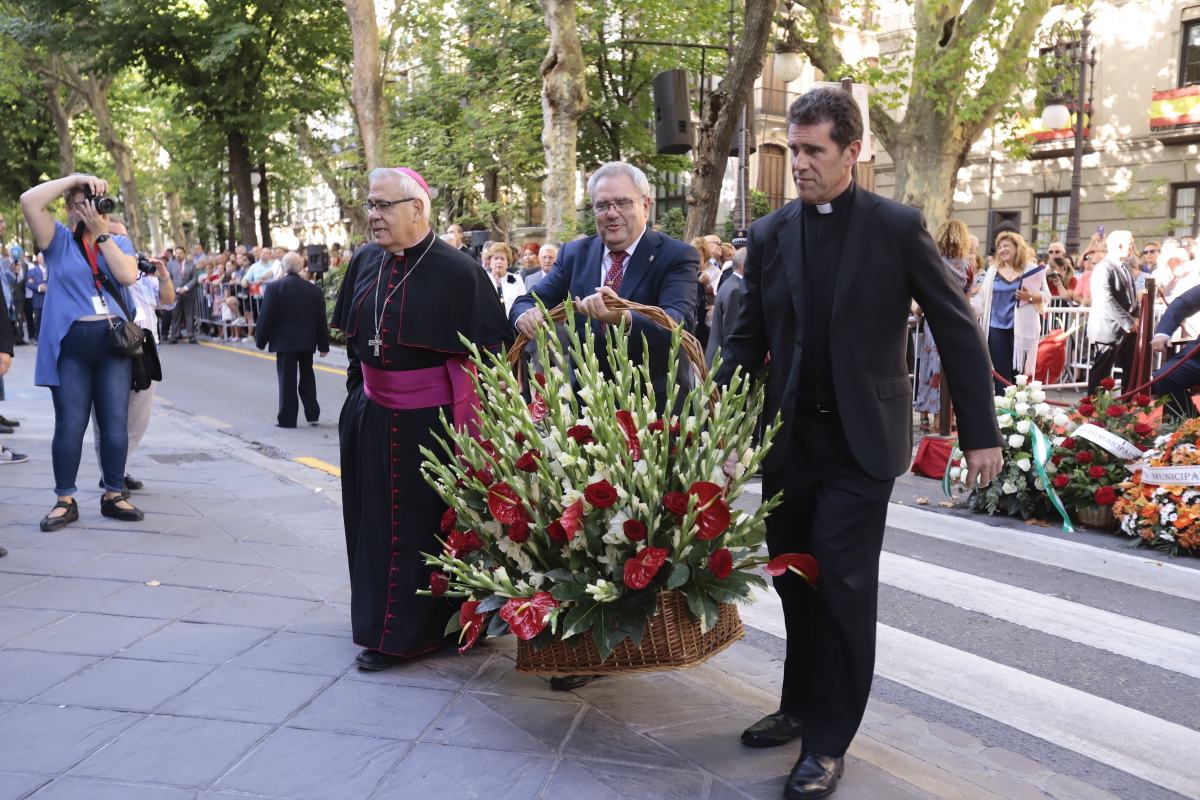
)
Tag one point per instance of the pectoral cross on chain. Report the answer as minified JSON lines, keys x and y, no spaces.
{"x":375,"y":344}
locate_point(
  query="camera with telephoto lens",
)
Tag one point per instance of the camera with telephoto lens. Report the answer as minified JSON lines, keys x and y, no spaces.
{"x":102,"y":203}
{"x":143,"y":263}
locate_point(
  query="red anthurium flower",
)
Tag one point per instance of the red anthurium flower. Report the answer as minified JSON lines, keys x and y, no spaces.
{"x":449,"y":517}
{"x":556,"y":532}
{"x":528,"y":462}
{"x":438,"y":583}
{"x":519,"y":531}
{"x":528,"y":617}
{"x":629,"y":428}
{"x":572,"y":519}
{"x":1115,"y":410}
{"x":472,"y":624}
{"x":484,"y":476}
{"x":635,"y":530}
{"x":1096,"y":471}
{"x":504,"y":504}
{"x":720,"y":563}
{"x":1084,"y":456}
{"x":600,"y":494}
{"x":1105,"y":496}
{"x":582,"y":434}
{"x":1108,"y":384}
{"x":802,"y":564}
{"x":1068,"y":443}
{"x":461,"y":543}
{"x":676,"y":503}
{"x":642,"y":568}
{"x":490,"y":449}
{"x":1060,"y":481}
{"x":1143,"y":399}
{"x":1143,"y":428}
{"x":713,"y":512}
{"x":519,"y":437}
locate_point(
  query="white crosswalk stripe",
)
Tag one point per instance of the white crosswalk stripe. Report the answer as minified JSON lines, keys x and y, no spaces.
{"x":1155,"y":750}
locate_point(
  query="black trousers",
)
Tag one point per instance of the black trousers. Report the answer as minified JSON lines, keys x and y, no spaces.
{"x":1106,"y":356}
{"x":1177,"y":387}
{"x":33,"y":319}
{"x":290,"y":368}
{"x":834,"y":511}
{"x":1000,"y":348}
{"x":183,"y":317}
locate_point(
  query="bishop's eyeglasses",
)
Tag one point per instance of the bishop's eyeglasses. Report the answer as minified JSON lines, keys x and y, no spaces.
{"x":383,"y":206}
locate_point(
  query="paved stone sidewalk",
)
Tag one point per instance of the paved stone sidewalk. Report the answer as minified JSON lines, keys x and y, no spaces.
{"x":205,"y":653}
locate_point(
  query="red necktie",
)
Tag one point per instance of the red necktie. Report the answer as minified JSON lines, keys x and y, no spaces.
{"x":615,"y":274}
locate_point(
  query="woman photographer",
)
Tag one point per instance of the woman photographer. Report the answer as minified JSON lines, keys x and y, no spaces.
{"x":1061,"y":280}
{"x":88,"y":268}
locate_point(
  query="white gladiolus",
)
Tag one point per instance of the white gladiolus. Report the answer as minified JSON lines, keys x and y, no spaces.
{"x":1016,"y":440}
{"x":603,"y":591}
{"x":1024,"y":465}
{"x":586,"y":395}
{"x":1008,"y":487}
{"x":1022,"y":380}
{"x":1021,"y":408}
{"x":1023,"y":426}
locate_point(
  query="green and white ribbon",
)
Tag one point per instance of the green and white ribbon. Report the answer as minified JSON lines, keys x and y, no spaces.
{"x":1041,"y":451}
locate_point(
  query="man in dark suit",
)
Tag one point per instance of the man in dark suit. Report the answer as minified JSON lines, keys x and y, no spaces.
{"x":826,"y":294}
{"x":1177,"y":387}
{"x":624,"y":259}
{"x":183,"y":317}
{"x":293,"y":324}
{"x":1113,"y":317}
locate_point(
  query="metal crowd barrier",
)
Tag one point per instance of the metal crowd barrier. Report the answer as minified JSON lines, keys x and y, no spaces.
{"x":234,"y":323}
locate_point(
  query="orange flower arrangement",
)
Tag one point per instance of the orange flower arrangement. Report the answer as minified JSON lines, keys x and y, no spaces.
{"x":1166,"y":517}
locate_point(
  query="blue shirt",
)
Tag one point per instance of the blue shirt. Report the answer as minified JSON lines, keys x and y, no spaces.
{"x":1004,"y":302}
{"x":69,"y":294}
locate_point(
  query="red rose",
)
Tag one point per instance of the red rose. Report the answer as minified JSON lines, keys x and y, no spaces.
{"x":1060,"y":481}
{"x":555,"y":531}
{"x":1115,"y":411}
{"x":1084,"y":456}
{"x":1096,"y":471}
{"x":1108,"y":384}
{"x":720,"y":563}
{"x":1056,"y":459}
{"x":438,"y":583}
{"x":581,"y":434}
{"x":528,"y":462}
{"x":572,"y":519}
{"x":528,"y":617}
{"x":1143,"y":399}
{"x":802,"y":564}
{"x":461,"y":543}
{"x":712,"y":511}
{"x":1105,"y":496}
{"x":629,"y":428}
{"x":676,"y":503}
{"x":600,"y":494}
{"x":505,"y":505}
{"x":1086,"y":410}
{"x":471,"y":622}
{"x":642,"y":568}
{"x":1068,"y":443}
{"x":1143,"y":428}
{"x":448,"y":519}
{"x":635,"y":530}
{"x":519,"y":531}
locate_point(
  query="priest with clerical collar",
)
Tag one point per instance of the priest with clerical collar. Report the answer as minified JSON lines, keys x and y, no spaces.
{"x":405,"y":301}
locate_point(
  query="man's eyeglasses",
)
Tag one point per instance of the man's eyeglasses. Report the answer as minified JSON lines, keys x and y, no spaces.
{"x":1149,"y":251}
{"x":383,"y":206}
{"x":622,"y":204}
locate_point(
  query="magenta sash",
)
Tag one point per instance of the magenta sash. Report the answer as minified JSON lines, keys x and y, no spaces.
{"x":407,"y":390}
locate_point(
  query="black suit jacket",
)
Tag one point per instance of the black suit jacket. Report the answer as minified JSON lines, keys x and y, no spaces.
{"x":662,"y":272}
{"x":292,"y":319}
{"x":888,"y":257}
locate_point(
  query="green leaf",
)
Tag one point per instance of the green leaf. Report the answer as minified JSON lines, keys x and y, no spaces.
{"x":453,"y":625}
{"x":581,"y":618}
{"x":567,"y":592}
{"x":561,"y":575}
{"x":491,"y":603}
{"x":679,"y":576}
{"x":497,"y":626}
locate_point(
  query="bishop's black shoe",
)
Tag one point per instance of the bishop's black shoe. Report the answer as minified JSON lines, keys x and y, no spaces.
{"x":375,"y":661}
{"x":565,"y":683}
{"x":773,"y":730}
{"x":814,"y":775}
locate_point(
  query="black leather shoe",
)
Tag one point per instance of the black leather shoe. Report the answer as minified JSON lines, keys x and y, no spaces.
{"x":375,"y":661}
{"x":192,"y":340}
{"x":773,"y":730}
{"x":10,"y":423}
{"x":565,"y":683}
{"x":814,"y":775}
{"x":50,"y":524}
{"x":5,"y":429}
{"x":3,"y":552}
{"x":109,"y":508}
{"x":132,"y":484}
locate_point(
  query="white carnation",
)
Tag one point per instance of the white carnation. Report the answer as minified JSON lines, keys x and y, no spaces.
{"x":1022,"y":408}
{"x":1024,"y":465}
{"x":1004,"y":402}
{"x":1061,"y":419}
{"x":1016,"y":440}
{"x":1005,"y":421}
{"x":1022,"y":380}
{"x":1023,"y":426}
{"x":1037,"y":396}
{"x":1021,"y":397}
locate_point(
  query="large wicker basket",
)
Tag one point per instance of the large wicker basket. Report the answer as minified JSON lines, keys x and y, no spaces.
{"x":1097,"y":517}
{"x":672,"y":641}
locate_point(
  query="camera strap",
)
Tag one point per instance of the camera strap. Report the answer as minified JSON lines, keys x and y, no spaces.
{"x":99,"y":278}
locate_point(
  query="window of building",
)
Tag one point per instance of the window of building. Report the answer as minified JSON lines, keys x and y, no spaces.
{"x":670,"y":191}
{"x":1189,"y":58}
{"x":1049,"y":218}
{"x":1183,"y":208}
{"x":773,"y":173}
{"x":773,"y":97}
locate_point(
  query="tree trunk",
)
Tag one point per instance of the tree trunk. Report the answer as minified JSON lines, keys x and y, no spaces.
{"x":720,"y":115}
{"x":223,"y":236}
{"x":319,"y":157}
{"x":61,"y":113}
{"x":264,"y":205}
{"x":925,"y":177}
{"x":175,"y":219}
{"x":239,"y":168}
{"x":564,"y":100}
{"x":366,"y":81}
{"x":96,"y":94}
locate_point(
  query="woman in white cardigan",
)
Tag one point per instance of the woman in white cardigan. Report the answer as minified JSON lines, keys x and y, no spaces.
{"x":509,"y":285}
{"x":1009,"y":307}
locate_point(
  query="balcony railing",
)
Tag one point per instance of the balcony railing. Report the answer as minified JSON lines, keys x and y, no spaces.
{"x":774,"y":102}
